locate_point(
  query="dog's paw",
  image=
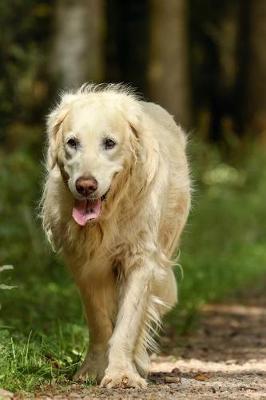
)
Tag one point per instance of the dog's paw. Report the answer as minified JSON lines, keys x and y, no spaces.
{"x":120,"y":379}
{"x":92,"y":369}
{"x":82,"y":375}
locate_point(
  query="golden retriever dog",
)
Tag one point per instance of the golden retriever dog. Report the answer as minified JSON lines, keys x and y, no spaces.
{"x":116,"y":199}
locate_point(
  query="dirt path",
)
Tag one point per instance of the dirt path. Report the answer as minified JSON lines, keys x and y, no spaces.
{"x":224,"y":359}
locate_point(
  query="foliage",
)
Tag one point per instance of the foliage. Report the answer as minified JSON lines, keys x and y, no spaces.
{"x":43,"y":333}
{"x":24,"y":40}
{"x":3,"y":286}
{"x":224,"y":243}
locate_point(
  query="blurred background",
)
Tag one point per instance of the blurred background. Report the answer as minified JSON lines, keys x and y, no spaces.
{"x":205,"y":62}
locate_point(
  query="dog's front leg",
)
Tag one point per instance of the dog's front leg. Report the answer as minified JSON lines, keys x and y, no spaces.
{"x":100,"y":306}
{"x":121,"y":370}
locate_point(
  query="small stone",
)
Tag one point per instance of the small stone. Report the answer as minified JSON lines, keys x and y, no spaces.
{"x":175,"y":372}
{"x":172,"y":379}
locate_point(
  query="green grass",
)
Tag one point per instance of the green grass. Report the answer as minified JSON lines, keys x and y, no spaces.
{"x":42,"y":329}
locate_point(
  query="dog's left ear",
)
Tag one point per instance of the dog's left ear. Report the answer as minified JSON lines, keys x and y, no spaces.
{"x":132,"y":112}
{"x":143,"y":143}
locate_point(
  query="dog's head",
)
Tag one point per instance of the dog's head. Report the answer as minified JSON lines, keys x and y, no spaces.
{"x":92,"y":139}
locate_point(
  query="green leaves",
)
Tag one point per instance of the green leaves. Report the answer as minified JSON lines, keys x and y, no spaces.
{"x":3,"y":286}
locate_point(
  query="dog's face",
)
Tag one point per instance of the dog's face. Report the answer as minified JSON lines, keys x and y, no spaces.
{"x":93,"y":146}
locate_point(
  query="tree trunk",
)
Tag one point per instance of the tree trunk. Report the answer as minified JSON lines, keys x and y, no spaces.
{"x":77,"y":55}
{"x":223,"y":34}
{"x":168,"y":74}
{"x":256,"y":79}
{"x":127,"y":42}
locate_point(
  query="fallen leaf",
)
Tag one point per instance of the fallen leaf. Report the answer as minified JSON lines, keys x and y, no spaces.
{"x":201,"y":377}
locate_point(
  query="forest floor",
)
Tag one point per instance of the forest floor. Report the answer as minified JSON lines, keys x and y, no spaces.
{"x":224,"y":358}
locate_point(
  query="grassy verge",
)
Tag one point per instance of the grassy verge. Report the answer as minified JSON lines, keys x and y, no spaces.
{"x":42,"y":332}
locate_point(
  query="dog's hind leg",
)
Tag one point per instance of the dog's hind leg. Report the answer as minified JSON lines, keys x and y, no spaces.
{"x":163,"y":298}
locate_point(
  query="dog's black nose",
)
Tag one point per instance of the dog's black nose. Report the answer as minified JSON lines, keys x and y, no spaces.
{"x":86,"y":186}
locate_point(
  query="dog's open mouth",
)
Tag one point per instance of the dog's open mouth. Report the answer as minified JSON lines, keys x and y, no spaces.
{"x":87,"y":210}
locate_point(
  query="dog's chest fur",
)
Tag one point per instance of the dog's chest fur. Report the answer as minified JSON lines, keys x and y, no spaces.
{"x":93,"y":252}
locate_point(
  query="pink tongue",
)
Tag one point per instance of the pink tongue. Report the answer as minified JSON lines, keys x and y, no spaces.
{"x":85,"y":210}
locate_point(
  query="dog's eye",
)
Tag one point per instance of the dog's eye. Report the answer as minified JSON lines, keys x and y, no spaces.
{"x":108,"y":143}
{"x":72,"y":142}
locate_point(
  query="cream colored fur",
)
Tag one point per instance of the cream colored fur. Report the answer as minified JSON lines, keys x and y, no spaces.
{"x":122,"y":262}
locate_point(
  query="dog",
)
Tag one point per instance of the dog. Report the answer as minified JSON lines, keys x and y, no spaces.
{"x":115,"y":201}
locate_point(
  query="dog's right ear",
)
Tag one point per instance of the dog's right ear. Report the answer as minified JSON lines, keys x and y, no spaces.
{"x":54,"y":127}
